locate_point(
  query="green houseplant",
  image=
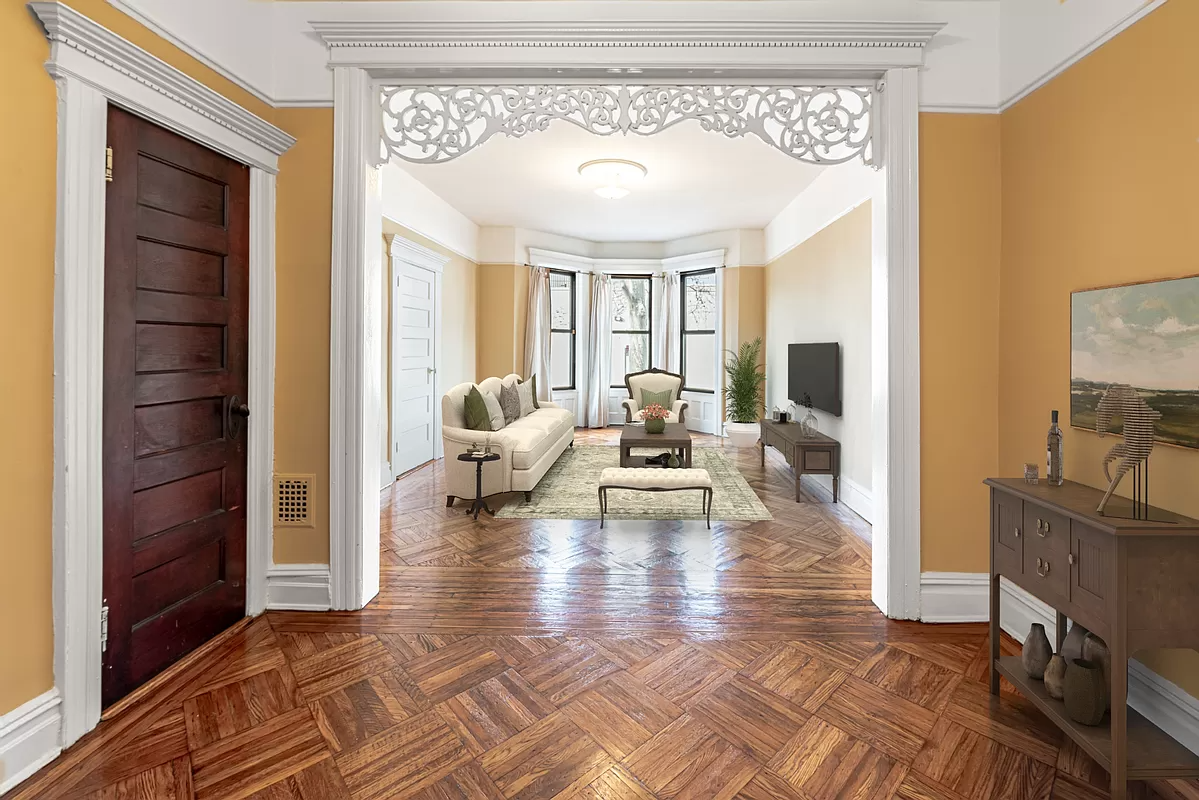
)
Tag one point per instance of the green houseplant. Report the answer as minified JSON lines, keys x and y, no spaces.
{"x":744,"y":393}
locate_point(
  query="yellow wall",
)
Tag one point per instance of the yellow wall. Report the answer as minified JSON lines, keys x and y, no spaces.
{"x":819,"y":291}
{"x":27,"y":205}
{"x":1088,"y":202}
{"x":959,"y":336}
{"x":503,"y":298}
{"x":304,"y":240}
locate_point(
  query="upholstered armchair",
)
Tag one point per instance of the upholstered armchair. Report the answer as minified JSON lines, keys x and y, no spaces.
{"x":654,"y":380}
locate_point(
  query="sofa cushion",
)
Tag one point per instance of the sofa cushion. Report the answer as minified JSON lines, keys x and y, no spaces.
{"x":529,"y":438}
{"x":525,"y":393}
{"x":664,"y":398}
{"x":474,"y":411}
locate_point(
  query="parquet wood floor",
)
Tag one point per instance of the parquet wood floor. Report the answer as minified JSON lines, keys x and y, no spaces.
{"x":550,"y":659}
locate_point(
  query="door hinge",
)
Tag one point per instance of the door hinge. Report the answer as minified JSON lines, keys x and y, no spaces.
{"x":103,"y":628}
{"x":108,"y":164}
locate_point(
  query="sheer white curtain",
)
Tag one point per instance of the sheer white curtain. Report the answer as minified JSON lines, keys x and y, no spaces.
{"x":537,"y":332}
{"x":599,"y":353}
{"x":666,"y":328}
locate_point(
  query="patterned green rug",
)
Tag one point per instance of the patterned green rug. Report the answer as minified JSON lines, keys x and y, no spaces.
{"x":568,"y":491}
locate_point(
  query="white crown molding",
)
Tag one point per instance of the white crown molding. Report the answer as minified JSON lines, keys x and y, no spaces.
{"x":707,"y":259}
{"x":938,"y":108}
{"x":85,"y":49}
{"x":1081,"y":53}
{"x":600,"y":34}
{"x":151,"y":22}
{"x":412,"y":253}
{"x":29,"y":738}
{"x":298,"y":587}
{"x":965,"y":597}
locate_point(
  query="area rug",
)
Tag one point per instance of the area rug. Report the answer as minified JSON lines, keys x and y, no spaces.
{"x":568,"y":491}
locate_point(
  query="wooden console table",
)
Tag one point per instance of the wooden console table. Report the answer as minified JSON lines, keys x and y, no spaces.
{"x":820,"y":455}
{"x":1134,"y":583}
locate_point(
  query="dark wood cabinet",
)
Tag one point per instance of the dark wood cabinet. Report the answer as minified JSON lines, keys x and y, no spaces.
{"x":1133,"y":582}
{"x":817,"y":455}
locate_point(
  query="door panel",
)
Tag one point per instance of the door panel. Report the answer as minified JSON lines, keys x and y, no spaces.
{"x":175,"y":351}
{"x":413,"y":359}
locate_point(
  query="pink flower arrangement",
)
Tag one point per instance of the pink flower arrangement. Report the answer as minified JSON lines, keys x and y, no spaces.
{"x":654,"y":411}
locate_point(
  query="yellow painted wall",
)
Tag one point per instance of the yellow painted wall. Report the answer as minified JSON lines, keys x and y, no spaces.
{"x":1088,"y":202}
{"x":959,"y":332}
{"x":503,"y":298}
{"x":304,"y":240}
{"x":27,"y":205}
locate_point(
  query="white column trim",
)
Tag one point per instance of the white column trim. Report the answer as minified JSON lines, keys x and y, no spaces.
{"x":93,"y":67}
{"x":355,"y":331}
{"x":896,"y":350}
{"x":29,"y":738}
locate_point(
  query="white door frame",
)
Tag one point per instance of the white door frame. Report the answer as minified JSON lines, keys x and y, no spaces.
{"x":405,"y":251}
{"x":437,"y":44}
{"x":94,"y":68}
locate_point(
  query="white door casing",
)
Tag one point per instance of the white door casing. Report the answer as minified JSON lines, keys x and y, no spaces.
{"x":797,"y":53}
{"x":415,"y":354}
{"x":92,"y":68}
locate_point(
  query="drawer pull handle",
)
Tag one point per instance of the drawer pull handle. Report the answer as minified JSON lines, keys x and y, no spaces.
{"x":1017,"y":533}
{"x":1070,"y":558}
{"x":1042,"y":528}
{"x":1042,"y":568}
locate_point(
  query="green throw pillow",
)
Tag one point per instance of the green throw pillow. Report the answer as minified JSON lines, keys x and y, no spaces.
{"x":475,"y":411}
{"x":663,"y":398}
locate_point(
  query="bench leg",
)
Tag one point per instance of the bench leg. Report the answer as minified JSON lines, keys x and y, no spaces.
{"x":708,"y":507}
{"x":602,"y":503}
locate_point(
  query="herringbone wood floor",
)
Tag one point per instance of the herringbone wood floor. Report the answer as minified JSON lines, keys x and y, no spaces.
{"x":539,"y":659}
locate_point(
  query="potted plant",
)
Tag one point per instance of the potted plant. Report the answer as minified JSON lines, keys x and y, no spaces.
{"x":655,"y":418}
{"x":744,"y":394}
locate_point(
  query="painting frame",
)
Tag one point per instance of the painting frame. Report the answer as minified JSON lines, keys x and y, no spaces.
{"x":1144,"y":351}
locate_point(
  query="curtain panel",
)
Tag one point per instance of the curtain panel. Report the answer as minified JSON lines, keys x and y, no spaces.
{"x":537,"y":332}
{"x":599,"y":354}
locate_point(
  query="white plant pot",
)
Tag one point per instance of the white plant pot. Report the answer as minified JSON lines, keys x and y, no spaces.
{"x":742,"y":434}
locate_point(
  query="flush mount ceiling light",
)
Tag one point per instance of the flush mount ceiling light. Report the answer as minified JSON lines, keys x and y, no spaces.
{"x":613,"y":176}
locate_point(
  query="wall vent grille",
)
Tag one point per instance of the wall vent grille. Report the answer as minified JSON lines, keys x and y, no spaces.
{"x":293,"y":501}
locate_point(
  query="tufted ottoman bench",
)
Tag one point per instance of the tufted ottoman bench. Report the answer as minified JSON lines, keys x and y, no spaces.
{"x":649,"y":479}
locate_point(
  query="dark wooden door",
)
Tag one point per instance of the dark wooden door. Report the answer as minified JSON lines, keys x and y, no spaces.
{"x":176,"y":292}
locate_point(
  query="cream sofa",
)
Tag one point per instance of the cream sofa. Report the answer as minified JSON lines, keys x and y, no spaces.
{"x":528,"y":447}
{"x":654,"y":380}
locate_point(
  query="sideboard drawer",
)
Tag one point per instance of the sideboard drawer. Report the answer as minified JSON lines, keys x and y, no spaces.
{"x":1007,"y":514}
{"x":817,"y":460}
{"x":1047,"y":551}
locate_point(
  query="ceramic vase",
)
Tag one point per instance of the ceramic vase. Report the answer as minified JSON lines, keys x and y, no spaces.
{"x":1036,"y":653}
{"x":1085,"y":692}
{"x":1095,"y":650}
{"x":655,"y":426}
{"x":1072,"y":646}
{"x":1055,"y":677}
{"x":673,"y":462}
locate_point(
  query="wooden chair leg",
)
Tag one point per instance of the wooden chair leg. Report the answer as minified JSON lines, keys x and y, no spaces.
{"x":602,"y":504}
{"x":449,"y":501}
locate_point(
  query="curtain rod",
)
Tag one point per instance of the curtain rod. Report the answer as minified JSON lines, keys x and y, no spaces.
{"x":651,"y":273}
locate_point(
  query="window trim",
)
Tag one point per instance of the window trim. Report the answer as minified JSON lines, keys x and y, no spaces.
{"x":649,"y":280}
{"x":572,"y":330}
{"x":683,"y":332}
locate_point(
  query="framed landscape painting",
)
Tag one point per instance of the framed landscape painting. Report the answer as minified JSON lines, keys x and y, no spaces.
{"x":1145,"y":335}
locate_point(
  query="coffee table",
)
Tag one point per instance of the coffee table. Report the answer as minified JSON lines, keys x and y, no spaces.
{"x":675,"y":437}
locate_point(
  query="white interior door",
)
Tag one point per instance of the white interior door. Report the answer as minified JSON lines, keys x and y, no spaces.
{"x":414,"y":367}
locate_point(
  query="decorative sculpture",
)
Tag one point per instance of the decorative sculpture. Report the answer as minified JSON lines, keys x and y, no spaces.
{"x":1123,"y":400}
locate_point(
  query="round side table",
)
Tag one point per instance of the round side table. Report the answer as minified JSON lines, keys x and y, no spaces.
{"x":480,"y":459}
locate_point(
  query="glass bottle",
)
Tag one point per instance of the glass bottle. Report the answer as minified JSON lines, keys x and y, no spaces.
{"x":1053,"y":444}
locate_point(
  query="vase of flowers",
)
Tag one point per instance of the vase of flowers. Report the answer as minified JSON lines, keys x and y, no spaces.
{"x":655,"y":418}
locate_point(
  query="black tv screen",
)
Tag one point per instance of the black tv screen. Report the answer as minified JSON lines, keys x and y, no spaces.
{"x":815,"y":370}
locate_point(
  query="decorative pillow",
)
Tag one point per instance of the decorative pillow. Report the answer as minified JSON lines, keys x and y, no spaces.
{"x":474,"y":409}
{"x":494,"y":410}
{"x":664,"y":398}
{"x":532,"y":381}
{"x":510,"y":403}
{"x":525,"y":393}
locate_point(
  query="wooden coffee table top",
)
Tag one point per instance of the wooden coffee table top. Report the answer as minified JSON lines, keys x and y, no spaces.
{"x":676,"y":435}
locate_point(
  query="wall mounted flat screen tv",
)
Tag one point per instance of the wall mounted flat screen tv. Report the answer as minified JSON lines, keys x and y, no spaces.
{"x":815,"y":370}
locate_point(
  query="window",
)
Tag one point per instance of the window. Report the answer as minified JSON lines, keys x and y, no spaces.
{"x":562,"y":330}
{"x":698,"y":348}
{"x":632,"y":315}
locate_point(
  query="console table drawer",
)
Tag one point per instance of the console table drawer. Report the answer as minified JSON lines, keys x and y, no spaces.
{"x":817,"y":460}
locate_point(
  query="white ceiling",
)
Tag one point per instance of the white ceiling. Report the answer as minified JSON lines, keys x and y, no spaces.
{"x":698,"y":182}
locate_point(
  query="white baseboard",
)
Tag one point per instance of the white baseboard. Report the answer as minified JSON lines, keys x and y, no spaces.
{"x":29,"y":738}
{"x":386,"y":476}
{"x":856,"y":497}
{"x":298,"y":587}
{"x":965,"y":597}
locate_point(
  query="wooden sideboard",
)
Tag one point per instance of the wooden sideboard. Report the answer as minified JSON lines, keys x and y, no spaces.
{"x":1134,"y":583}
{"x":818,"y":455}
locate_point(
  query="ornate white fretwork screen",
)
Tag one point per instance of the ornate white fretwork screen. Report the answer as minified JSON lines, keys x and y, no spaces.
{"x":816,"y":124}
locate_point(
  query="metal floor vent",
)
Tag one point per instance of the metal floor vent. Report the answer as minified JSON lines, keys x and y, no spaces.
{"x":293,"y":500}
